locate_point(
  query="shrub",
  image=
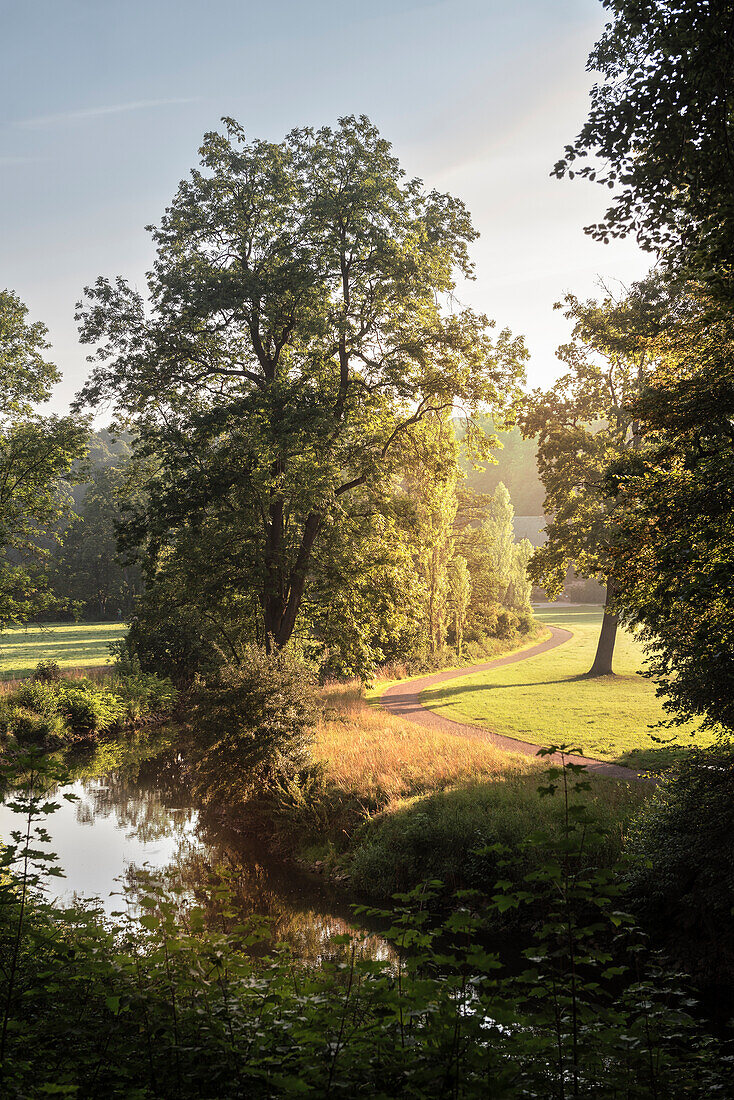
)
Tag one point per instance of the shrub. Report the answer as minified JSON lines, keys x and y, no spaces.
{"x":67,"y":709}
{"x":47,"y":672}
{"x":681,"y":874}
{"x":253,"y":723}
{"x":505,"y":627}
{"x":39,"y":695}
{"x":89,"y":709}
{"x":525,"y":621}
{"x":28,"y":725}
{"x":144,"y":694}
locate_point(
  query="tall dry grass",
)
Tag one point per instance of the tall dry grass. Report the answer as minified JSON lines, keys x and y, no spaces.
{"x":80,"y":672}
{"x":380,"y":758}
{"x":401,"y":803}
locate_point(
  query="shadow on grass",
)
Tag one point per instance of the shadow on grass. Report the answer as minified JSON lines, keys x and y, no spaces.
{"x":448,"y":835}
{"x":657,"y":759}
{"x":465,"y":689}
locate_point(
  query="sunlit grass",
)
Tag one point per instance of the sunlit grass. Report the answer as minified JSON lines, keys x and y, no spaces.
{"x":381,"y":758}
{"x":548,"y":699}
{"x":70,"y":644}
{"x":409,"y":802}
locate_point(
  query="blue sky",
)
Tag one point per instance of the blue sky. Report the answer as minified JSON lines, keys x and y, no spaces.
{"x":103,"y":105}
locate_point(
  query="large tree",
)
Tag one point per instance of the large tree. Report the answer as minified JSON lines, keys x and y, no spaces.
{"x":673,"y":542}
{"x":36,"y":456}
{"x":583,"y":425}
{"x":297,"y":331}
{"x":661,"y":131}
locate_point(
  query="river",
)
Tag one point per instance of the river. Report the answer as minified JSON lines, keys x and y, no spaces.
{"x":133,"y":815}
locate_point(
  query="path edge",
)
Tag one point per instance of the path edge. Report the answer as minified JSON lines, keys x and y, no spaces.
{"x":407,"y":704}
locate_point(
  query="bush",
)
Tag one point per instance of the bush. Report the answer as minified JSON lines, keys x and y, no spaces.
{"x":253,"y":723}
{"x":681,"y":875}
{"x":27,"y":725}
{"x":39,"y":695}
{"x":525,"y":622}
{"x":69,"y":709}
{"x":47,"y":672}
{"x":89,"y":709}
{"x":169,"y":640}
{"x":144,"y":694}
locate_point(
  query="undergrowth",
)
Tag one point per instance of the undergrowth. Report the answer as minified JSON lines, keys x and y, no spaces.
{"x":168,"y":1004}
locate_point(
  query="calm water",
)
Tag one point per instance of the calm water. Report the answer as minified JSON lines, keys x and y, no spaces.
{"x":134,"y":814}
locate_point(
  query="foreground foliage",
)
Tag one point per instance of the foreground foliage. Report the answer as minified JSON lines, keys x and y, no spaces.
{"x":169,"y":1004}
{"x":682,"y":869}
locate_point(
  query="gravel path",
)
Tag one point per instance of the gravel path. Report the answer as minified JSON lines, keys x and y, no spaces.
{"x":404,"y":699}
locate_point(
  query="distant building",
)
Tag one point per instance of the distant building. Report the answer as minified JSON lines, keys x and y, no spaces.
{"x":530,"y":528}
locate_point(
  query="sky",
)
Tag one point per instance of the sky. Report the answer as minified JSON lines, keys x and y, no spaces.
{"x":103,"y":105}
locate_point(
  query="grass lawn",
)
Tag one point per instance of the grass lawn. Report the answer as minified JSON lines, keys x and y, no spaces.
{"x":547,"y":699}
{"x":70,"y":644}
{"x":403,"y":803}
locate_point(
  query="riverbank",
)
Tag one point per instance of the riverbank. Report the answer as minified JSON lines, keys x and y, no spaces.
{"x":382,"y":803}
{"x":380,"y":806}
{"x":397,"y":803}
{"x":194,"y":994}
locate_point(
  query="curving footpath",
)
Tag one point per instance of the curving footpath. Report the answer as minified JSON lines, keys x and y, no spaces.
{"x":404,"y":700}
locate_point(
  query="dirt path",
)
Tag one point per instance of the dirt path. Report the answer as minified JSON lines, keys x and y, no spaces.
{"x":404,"y":699}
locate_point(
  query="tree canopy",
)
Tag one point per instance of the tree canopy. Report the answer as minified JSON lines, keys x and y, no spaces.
{"x":661,"y":130}
{"x":36,"y":456}
{"x":660,"y":127}
{"x":673,"y":548}
{"x":298,"y":329}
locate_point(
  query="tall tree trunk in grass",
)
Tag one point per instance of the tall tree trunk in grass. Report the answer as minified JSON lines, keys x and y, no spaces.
{"x":602,"y":665}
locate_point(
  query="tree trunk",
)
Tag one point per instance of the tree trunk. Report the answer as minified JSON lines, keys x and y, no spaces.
{"x":272,"y":599}
{"x":297,"y":580}
{"x":281,"y":599}
{"x":602,"y":665}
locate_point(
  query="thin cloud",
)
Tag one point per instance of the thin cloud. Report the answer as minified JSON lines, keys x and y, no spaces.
{"x":100,"y":112}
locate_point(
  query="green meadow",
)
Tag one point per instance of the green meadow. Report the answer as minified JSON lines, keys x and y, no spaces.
{"x":71,"y":644}
{"x":548,"y":699}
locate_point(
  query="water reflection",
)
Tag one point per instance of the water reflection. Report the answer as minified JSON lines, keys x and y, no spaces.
{"x":135,"y":814}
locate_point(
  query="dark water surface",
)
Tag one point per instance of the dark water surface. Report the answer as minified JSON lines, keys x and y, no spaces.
{"x":135,"y":815}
